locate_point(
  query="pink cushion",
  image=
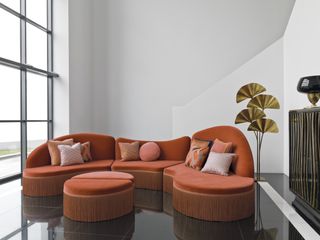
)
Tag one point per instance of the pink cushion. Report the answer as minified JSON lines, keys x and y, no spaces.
{"x":149,"y":151}
{"x":221,"y":147}
{"x":218,"y":163}
{"x":70,"y":155}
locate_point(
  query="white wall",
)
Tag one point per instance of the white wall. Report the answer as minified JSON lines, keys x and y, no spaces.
{"x":80,"y":57}
{"x":217,"y":105}
{"x":301,"y":57}
{"x":151,"y":55}
{"x":73,"y":62}
{"x":61,"y":66}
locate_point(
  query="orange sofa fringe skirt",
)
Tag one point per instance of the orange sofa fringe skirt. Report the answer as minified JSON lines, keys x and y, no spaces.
{"x":96,"y":208}
{"x":214,"y":207}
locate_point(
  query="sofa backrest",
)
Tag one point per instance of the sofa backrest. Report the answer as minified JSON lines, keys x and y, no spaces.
{"x":101,"y":147}
{"x":243,"y":164}
{"x":176,"y":149}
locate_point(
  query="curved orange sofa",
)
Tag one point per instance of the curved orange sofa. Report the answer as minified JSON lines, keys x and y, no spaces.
{"x":40,"y":178}
{"x":149,"y":175}
{"x":196,"y":194}
{"x":214,"y":197}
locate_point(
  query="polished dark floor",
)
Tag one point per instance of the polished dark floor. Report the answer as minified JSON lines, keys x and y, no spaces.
{"x":154,"y":218}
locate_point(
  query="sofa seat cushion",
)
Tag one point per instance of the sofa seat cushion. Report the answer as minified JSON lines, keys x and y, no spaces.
{"x":154,"y":166}
{"x":206,"y":183}
{"x":92,"y":187}
{"x":177,"y":169}
{"x":49,"y":170}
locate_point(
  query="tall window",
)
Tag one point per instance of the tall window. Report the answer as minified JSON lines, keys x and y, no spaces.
{"x":26,"y":81}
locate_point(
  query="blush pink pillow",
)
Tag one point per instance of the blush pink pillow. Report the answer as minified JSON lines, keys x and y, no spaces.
{"x":70,"y":155}
{"x":218,"y":163}
{"x":149,"y":151}
{"x":221,"y":147}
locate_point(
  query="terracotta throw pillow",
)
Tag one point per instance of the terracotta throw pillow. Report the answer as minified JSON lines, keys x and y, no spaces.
{"x":129,"y":151}
{"x":85,"y":152}
{"x":221,"y":147}
{"x":70,"y":155}
{"x":54,"y":151}
{"x":149,"y":151}
{"x":198,"y":153}
{"x":218,"y":163}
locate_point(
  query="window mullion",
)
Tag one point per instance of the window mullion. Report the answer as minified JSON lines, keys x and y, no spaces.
{"x":50,"y":68}
{"x":23,"y":102}
{"x":23,"y":85}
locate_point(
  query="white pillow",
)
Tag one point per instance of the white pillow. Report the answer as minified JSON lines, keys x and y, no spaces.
{"x":218,"y":163}
{"x":70,"y":155}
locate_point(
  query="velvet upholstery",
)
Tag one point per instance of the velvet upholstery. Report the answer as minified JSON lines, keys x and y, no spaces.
{"x":176,"y":149}
{"x":154,"y":166}
{"x":243,"y":164}
{"x":101,"y":147}
{"x":212,"y":183}
{"x":196,"y":194}
{"x":40,"y":178}
{"x":98,"y":196}
{"x":148,"y":175}
{"x":47,"y":171}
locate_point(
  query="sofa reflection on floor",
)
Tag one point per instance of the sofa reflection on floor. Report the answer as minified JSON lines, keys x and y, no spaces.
{"x":188,"y":228}
{"x":43,"y":210}
{"x":116,"y":229}
{"x":148,"y":199}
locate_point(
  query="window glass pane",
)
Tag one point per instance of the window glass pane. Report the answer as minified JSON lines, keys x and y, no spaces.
{"x":37,"y":11}
{"x":36,"y":47}
{"x":10,"y":36}
{"x":37,"y":133}
{"x":39,"y":231}
{"x":37,"y":97}
{"x":13,"y":4}
{"x":10,"y":222}
{"x":9,"y":149}
{"x":9,"y":93}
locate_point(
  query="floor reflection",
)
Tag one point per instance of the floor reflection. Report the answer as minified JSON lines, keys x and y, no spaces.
{"x":43,"y":209}
{"x":153,"y":209}
{"x":148,"y":199}
{"x":192,"y":229}
{"x":119,"y":228}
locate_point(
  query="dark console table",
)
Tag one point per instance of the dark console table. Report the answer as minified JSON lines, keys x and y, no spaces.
{"x":304,"y":171}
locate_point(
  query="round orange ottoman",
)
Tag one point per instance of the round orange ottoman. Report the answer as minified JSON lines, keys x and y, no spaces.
{"x":98,"y":196}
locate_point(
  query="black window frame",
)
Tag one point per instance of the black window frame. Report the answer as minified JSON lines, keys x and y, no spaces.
{"x":24,"y":68}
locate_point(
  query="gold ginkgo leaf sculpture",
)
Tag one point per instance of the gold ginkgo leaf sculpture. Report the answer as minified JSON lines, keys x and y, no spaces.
{"x":249,"y":91}
{"x":264,"y":101}
{"x":255,"y":115}
{"x":264,"y":125}
{"x":249,"y":115}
